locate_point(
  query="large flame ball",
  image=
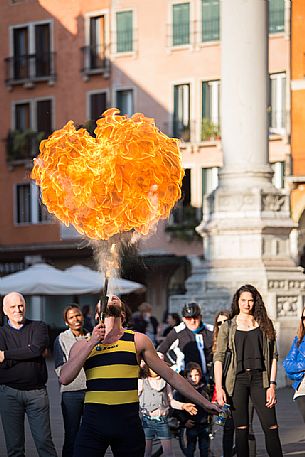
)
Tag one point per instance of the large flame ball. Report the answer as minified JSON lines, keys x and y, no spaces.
{"x":127,"y":178}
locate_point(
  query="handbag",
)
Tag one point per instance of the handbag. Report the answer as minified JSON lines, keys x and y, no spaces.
{"x":227,"y":358}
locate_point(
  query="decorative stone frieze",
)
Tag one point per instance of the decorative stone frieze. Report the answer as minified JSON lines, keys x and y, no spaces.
{"x":287,"y":306}
{"x":273,"y":202}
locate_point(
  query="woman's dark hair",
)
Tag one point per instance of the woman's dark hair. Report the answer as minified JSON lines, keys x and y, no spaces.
{"x":176,"y":318}
{"x":222,"y":312}
{"x":68,"y":308}
{"x":301,"y":330}
{"x":259,"y":311}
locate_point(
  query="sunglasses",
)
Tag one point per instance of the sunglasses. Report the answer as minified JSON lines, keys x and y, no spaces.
{"x":188,"y":318}
{"x":218,"y":323}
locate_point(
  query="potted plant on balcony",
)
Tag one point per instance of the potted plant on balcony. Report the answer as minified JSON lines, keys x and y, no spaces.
{"x":209,"y":130}
{"x":23,"y":144}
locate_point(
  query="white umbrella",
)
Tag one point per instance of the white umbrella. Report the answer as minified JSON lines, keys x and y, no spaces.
{"x":96,"y":280}
{"x":42,"y":279}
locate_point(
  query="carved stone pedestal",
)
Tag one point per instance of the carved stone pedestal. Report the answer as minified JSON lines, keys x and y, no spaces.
{"x":246,"y":238}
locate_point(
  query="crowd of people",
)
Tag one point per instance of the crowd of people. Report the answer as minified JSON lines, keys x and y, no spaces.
{"x":121,"y":384}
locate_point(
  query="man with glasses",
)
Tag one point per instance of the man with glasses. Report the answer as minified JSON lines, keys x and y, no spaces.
{"x":190,"y":341}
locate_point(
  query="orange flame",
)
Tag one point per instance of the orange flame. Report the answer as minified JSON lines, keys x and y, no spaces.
{"x":127,"y":178}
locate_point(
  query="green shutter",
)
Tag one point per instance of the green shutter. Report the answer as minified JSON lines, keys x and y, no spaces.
{"x":181,"y":24}
{"x":124,"y":32}
{"x":181,"y":117}
{"x":210,"y":20}
{"x":276,"y":16}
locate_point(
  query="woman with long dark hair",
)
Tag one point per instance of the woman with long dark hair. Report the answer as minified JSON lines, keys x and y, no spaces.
{"x":294,"y":365}
{"x":252,"y":369}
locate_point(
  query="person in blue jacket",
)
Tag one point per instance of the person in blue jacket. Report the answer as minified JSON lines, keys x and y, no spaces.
{"x":294,"y":365}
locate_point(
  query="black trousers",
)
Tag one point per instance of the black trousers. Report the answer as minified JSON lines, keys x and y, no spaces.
{"x":250,"y":385}
{"x":228,"y":435}
{"x":117,"y":426}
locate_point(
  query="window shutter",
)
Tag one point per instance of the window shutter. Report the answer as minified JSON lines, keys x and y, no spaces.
{"x":181,"y":24}
{"x":98,"y":105}
{"x":276,"y":16}
{"x":124,"y":32}
{"x":44,"y":117}
{"x":210,"y":20}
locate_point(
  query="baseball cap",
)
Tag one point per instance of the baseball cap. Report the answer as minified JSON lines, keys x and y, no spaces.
{"x":191,"y":310}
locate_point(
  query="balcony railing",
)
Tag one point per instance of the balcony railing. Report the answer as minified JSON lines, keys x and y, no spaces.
{"x":94,"y":60}
{"x":182,"y":222}
{"x":30,"y":68}
{"x":23,"y":144}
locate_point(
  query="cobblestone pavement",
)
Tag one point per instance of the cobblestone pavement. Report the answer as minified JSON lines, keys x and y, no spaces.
{"x":292,"y":428}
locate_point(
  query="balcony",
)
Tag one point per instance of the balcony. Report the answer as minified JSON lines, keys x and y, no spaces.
{"x":182,"y":222}
{"x":23,"y":145}
{"x":29,"y":69}
{"x":95,"y":61}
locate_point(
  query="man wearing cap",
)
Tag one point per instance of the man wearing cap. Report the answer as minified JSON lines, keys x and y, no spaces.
{"x":190,"y":341}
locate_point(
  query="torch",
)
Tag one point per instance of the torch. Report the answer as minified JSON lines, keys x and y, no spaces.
{"x":103,"y":301}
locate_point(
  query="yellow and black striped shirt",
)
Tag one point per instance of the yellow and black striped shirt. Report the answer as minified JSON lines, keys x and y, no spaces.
{"x":112,"y":372}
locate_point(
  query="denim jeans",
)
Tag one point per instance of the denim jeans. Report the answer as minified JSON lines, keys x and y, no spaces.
{"x":250,"y":384}
{"x":72,"y":404}
{"x":156,"y":427}
{"x":200,"y":433}
{"x":14,"y":404}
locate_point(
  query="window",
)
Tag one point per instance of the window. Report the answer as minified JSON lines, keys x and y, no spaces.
{"x":277,"y":115}
{"x":210,"y":20}
{"x":210,"y":128}
{"x":124,"y":31}
{"x":209,"y":183}
{"x":276,"y":16}
{"x":29,"y":209}
{"x":97,"y":105}
{"x":35,"y":115}
{"x":279,"y":174}
{"x":181,"y":24}
{"x":181,"y":118}
{"x":209,"y":180}
{"x":124,"y":101}
{"x":22,"y":116}
{"x":44,"y":117}
{"x":21,"y":52}
{"x":31,"y":50}
{"x":32,"y":121}
{"x":97,"y":42}
{"x":184,"y":213}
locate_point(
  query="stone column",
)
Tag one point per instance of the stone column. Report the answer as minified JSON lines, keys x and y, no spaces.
{"x":246,"y":224}
{"x":244,"y":71}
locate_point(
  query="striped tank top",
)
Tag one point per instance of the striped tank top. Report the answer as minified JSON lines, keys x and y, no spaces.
{"x":112,"y":372}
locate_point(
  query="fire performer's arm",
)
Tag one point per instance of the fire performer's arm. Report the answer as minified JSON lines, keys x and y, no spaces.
{"x":146,"y":350}
{"x":78,"y":355}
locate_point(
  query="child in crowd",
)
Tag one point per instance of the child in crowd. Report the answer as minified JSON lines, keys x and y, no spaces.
{"x":197,"y":426}
{"x":156,"y":398}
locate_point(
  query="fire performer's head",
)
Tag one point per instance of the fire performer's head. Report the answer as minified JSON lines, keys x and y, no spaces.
{"x":115,"y":308}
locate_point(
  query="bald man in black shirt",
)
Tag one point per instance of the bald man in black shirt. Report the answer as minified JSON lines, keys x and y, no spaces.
{"x":23,"y":377}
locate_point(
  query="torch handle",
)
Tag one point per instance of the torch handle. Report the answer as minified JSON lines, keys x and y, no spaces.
{"x":103,"y":301}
